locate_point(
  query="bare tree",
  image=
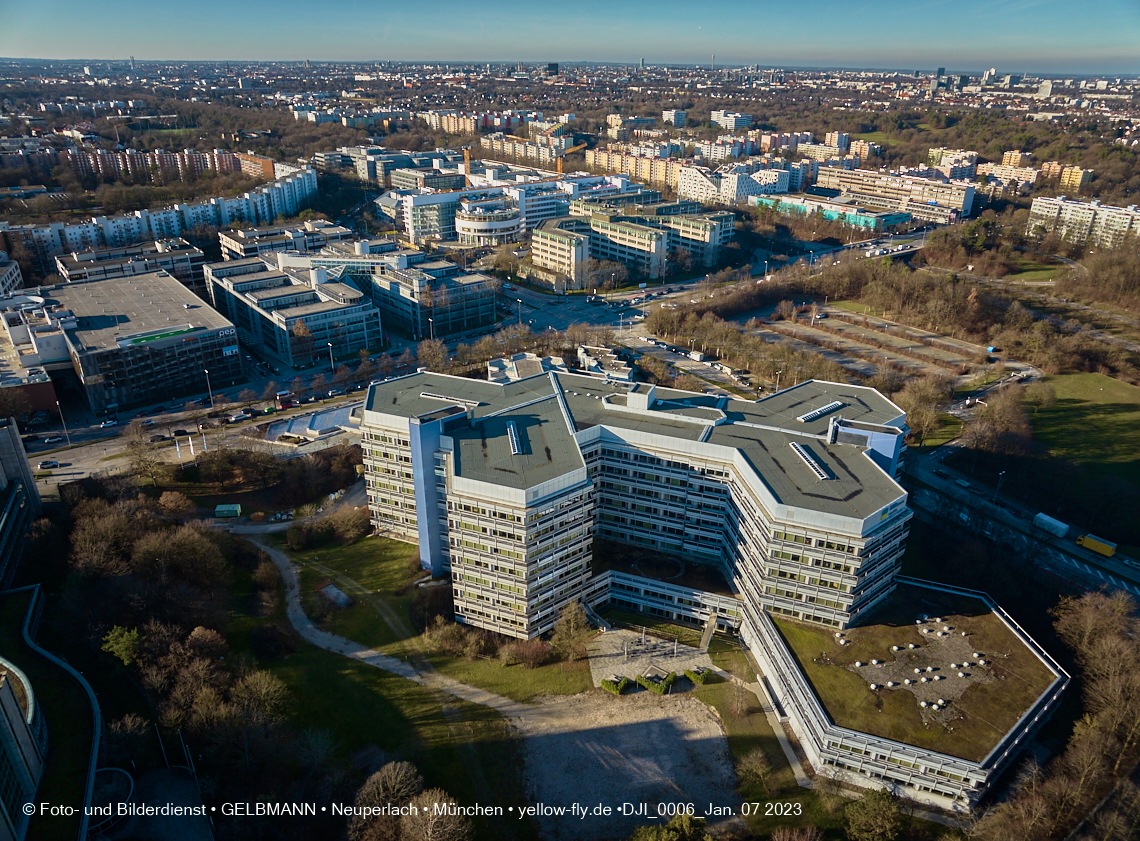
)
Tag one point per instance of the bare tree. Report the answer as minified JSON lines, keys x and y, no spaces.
{"x":432,"y":820}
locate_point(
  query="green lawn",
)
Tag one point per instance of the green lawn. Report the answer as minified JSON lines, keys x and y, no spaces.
{"x":1095,"y":422}
{"x":851,"y":306}
{"x":949,"y":428}
{"x":516,"y":682}
{"x":879,"y":137}
{"x":69,"y":718}
{"x":1033,"y":270}
{"x":985,"y":711}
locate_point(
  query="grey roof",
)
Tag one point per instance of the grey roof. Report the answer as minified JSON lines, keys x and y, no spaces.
{"x":546,"y":447}
{"x":113,"y":309}
{"x":762,"y":432}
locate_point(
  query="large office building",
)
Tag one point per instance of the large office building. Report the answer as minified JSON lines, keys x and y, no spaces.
{"x":11,"y":278}
{"x":23,"y":749}
{"x":845,"y":210}
{"x":174,"y":256}
{"x":793,"y":499}
{"x":19,"y":500}
{"x":784,"y":510}
{"x":642,"y":237}
{"x":924,"y":198}
{"x":1077,"y":221}
{"x":302,"y":237}
{"x":293,"y":314}
{"x":130,"y":340}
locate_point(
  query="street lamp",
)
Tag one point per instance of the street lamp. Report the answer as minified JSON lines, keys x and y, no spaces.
{"x":209,"y":388}
{"x":431,"y":324}
{"x":64,"y":422}
{"x":778,"y":380}
{"x":520,"y":309}
{"x":332,"y":362}
{"x":1001,"y":476}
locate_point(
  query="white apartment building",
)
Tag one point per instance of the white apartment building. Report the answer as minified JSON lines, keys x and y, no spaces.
{"x":676,"y":117}
{"x":729,"y":185}
{"x":730,"y":120}
{"x":1077,"y":221}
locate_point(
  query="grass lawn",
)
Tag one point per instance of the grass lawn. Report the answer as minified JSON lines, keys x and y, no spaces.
{"x":982,"y":714}
{"x":69,"y":719}
{"x":949,"y":428}
{"x":463,"y":748}
{"x":851,"y":306}
{"x":516,"y":682}
{"x":876,"y":137}
{"x":1033,"y":270}
{"x":749,"y":731}
{"x":1095,"y":422}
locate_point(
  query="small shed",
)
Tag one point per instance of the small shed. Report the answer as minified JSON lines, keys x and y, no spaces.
{"x":227,"y":511}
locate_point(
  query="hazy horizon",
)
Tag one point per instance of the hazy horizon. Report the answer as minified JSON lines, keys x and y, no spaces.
{"x":1031,"y":36}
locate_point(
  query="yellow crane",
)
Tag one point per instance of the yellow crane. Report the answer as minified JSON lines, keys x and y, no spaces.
{"x":567,"y":152}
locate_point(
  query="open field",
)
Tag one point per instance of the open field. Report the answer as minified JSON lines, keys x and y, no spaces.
{"x":1032,"y":271}
{"x":949,"y":428}
{"x":893,"y":340}
{"x":853,"y":364}
{"x":1095,"y":422}
{"x":854,"y":348}
{"x":983,"y":705}
{"x":879,"y":137}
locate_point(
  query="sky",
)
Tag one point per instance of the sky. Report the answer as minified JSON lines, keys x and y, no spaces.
{"x":1032,"y":36}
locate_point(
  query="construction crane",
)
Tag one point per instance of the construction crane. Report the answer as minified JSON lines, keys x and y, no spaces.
{"x":567,"y":152}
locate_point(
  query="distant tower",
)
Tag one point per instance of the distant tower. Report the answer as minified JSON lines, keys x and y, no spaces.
{"x":941,"y":72}
{"x":712,"y":66}
{"x":132,"y":63}
{"x":643,"y":64}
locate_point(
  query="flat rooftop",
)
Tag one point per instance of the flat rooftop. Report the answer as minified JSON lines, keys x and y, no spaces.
{"x":983,"y":706}
{"x":114,"y":309}
{"x":762,"y":431}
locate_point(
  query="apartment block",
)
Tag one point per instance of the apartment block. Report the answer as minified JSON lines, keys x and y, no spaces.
{"x":865,"y":150}
{"x":174,"y":256}
{"x":675,"y":117}
{"x":923,"y":198}
{"x":1017,"y":158}
{"x":1007,"y":174}
{"x":730,"y":120}
{"x":729,"y":185}
{"x":792,"y":499}
{"x":840,"y":139}
{"x":1076,"y":221}
{"x":11,"y":278}
{"x":1074,"y":178}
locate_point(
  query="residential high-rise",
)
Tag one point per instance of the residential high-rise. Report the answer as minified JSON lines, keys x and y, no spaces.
{"x":675,"y":116}
{"x":1076,"y":221}
{"x":1015,"y":157}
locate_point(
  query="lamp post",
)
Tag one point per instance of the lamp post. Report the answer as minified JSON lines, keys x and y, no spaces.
{"x":332,"y":362}
{"x":64,"y":422}
{"x":209,"y":388}
{"x":778,"y":380}
{"x":520,"y":309}
{"x":1001,"y":476}
{"x":431,"y":324}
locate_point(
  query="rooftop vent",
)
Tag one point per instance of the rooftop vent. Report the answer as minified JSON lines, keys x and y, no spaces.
{"x":812,"y":464}
{"x":513,"y":437}
{"x":820,"y":412}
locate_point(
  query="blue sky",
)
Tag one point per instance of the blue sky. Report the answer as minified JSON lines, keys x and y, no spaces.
{"x":1101,"y":36}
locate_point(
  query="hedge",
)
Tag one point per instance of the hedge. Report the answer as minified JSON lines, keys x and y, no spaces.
{"x":698,"y":677}
{"x":616,"y":687}
{"x":660,"y":688}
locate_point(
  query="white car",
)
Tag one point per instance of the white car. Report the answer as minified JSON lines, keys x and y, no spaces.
{"x":47,"y":465}
{"x":54,"y":439}
{"x":108,"y":423}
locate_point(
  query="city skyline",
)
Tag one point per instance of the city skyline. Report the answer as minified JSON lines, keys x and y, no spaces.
{"x":1016,"y":35}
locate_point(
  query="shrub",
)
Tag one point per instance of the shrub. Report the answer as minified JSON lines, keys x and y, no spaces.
{"x":535,"y":653}
{"x":699,"y":677}
{"x":660,"y":687}
{"x":616,"y":687}
{"x":754,"y":770}
{"x":446,"y":637}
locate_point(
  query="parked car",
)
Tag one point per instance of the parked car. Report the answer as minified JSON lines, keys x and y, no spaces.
{"x":154,"y":439}
{"x":108,"y":422}
{"x":47,"y":465}
{"x":336,"y":392}
{"x":181,"y":432}
{"x":146,"y":422}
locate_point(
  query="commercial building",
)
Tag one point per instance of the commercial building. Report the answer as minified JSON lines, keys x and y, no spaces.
{"x":845,"y":210}
{"x":130,"y":340}
{"x":730,"y":120}
{"x":923,"y":198}
{"x":519,"y":366}
{"x":643,"y":237}
{"x":174,"y":256}
{"x":306,"y":236}
{"x":11,"y":278}
{"x":793,"y":499}
{"x":790,"y":502}
{"x":1076,"y":221}
{"x":291,"y":313}
{"x":426,"y":178}
{"x":675,"y":116}
{"x":23,"y":748}
{"x":19,"y":500}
